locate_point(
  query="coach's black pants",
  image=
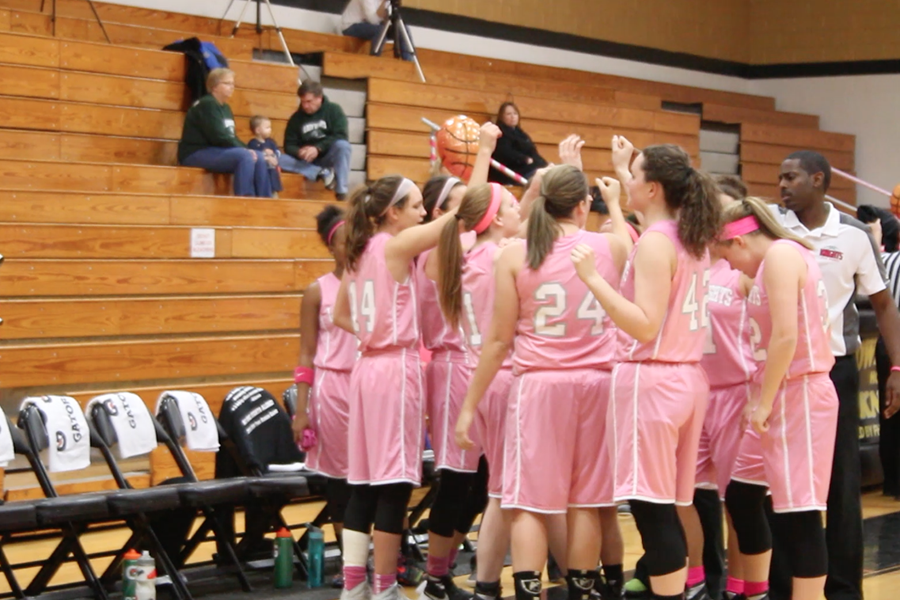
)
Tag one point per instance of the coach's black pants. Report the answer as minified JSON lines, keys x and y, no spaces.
{"x":843,"y":534}
{"x":889,"y":441}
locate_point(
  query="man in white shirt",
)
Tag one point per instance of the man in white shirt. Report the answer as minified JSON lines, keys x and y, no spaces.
{"x":850,"y":264}
{"x":363,"y":19}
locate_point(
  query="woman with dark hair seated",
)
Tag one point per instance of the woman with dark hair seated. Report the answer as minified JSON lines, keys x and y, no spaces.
{"x":515,"y":149}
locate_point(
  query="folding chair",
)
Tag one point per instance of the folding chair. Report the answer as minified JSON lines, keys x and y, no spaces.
{"x":214,"y":498}
{"x":15,"y":517}
{"x":70,"y":514}
{"x":135,"y":505}
{"x":256,"y":433}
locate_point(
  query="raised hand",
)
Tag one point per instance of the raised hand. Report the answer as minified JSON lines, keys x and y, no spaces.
{"x":570,"y":151}
{"x":610,"y":189}
{"x":585,"y":262}
{"x":490,"y":133}
{"x":622,"y":152}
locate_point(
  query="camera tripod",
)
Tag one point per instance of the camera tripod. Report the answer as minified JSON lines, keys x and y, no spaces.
{"x":395,"y":19}
{"x":259,"y":27}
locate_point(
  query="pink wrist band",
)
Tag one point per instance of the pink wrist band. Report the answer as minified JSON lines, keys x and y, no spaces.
{"x":304,"y":375}
{"x":895,"y":368}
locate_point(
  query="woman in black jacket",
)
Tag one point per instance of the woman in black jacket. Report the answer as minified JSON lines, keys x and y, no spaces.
{"x":515,"y":149}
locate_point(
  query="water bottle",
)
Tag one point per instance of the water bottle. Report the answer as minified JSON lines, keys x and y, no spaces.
{"x":129,"y":560}
{"x":284,"y":559}
{"x":145,"y":577}
{"x":316,"y":554}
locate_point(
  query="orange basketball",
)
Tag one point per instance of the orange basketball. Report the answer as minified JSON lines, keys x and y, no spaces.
{"x":895,"y":200}
{"x":457,"y":145}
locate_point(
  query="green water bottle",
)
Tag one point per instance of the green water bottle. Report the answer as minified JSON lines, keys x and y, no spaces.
{"x":284,"y":559}
{"x":128,"y":582}
{"x":316,"y":553}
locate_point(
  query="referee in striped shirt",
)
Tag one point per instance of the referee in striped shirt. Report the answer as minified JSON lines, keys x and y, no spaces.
{"x":886,"y":231}
{"x":850,"y":264}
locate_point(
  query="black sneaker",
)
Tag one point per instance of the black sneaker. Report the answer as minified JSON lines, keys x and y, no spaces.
{"x":609,"y":590}
{"x":726,"y":595}
{"x":697,"y":592}
{"x":484,"y":591}
{"x":442,"y":589}
{"x":408,"y":572}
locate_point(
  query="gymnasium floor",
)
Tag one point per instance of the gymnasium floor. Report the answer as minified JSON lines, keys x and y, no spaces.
{"x":882,"y":557}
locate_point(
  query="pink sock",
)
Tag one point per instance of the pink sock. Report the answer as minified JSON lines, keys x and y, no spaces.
{"x":383,"y":582}
{"x":695,"y":575}
{"x":735,"y":586}
{"x":438,"y":566}
{"x":755,"y":588}
{"x":452,"y":557}
{"x":353,"y":576}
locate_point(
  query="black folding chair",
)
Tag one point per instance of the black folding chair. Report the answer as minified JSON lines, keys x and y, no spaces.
{"x":70,"y":514}
{"x":133,"y":505}
{"x":215,"y":498}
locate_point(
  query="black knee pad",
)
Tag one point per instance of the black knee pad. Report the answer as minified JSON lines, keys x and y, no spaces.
{"x":360,"y":512}
{"x":477,"y":499}
{"x":449,"y":503}
{"x":806,"y":542}
{"x":337,"y":495}
{"x":663,"y":538}
{"x":746,"y":505}
{"x":391,"y":507}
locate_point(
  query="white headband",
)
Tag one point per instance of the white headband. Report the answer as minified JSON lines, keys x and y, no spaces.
{"x":445,"y":191}
{"x":402,"y":190}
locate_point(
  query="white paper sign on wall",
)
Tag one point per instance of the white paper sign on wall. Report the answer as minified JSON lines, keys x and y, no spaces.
{"x":203,"y":243}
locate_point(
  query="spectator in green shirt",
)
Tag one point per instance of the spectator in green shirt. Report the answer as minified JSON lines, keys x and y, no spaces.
{"x":315,"y":140}
{"x":208,"y":140}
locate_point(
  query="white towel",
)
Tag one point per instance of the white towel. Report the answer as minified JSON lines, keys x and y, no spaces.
{"x":7,"y":453}
{"x":131,"y":421}
{"x":69,"y":437}
{"x":200,"y":429}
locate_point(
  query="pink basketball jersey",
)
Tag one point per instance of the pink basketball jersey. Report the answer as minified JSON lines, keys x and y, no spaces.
{"x":436,"y":332}
{"x":478,"y":297}
{"x":561,"y":323}
{"x":384,"y":312}
{"x":683,"y":331}
{"x":813,"y":353}
{"x":335,"y":348}
{"x":727,"y":358}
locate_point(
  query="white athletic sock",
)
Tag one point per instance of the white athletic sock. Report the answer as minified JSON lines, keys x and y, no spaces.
{"x":356,"y":548}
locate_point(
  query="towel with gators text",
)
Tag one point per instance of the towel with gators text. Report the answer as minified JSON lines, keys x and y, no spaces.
{"x":131,"y":421}
{"x":69,"y":439}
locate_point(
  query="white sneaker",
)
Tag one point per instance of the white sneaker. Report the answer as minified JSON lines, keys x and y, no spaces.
{"x":360,"y":592}
{"x":395,"y":592}
{"x":326,"y":176}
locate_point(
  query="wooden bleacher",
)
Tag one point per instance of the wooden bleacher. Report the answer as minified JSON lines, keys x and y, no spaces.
{"x":99,"y":290}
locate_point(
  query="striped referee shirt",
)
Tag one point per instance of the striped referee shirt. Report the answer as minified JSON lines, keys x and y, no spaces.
{"x":892,"y":264}
{"x":850,"y":262}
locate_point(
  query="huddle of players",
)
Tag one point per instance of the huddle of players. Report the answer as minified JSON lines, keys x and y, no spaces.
{"x":607,"y":371}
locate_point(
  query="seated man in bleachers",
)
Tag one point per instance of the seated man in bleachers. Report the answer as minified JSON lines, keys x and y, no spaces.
{"x":315,"y":140}
{"x":208,"y":140}
{"x":363,"y":18}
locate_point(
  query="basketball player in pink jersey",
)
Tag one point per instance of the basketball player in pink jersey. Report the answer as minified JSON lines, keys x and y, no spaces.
{"x":467,"y":298}
{"x":794,"y":404}
{"x":553,"y":457}
{"x":659,"y":390}
{"x":462,"y":491}
{"x":327,"y":355}
{"x":377,"y":300}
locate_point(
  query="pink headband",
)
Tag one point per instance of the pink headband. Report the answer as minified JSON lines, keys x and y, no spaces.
{"x":744,"y":225}
{"x":332,"y":231}
{"x":496,"y":197}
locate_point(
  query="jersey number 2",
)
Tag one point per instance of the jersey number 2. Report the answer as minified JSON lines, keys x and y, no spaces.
{"x":555,"y":295}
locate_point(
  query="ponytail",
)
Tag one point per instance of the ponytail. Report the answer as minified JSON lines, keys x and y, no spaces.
{"x":700,"y":219}
{"x":768,"y":224}
{"x":692,"y":193}
{"x":368,"y":205}
{"x":473,"y":208}
{"x":562,"y":189}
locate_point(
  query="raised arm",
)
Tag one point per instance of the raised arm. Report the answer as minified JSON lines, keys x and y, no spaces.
{"x":654,"y":266}
{"x":499,"y":338}
{"x":487,"y":143}
{"x":570,"y":151}
{"x":783,"y":271}
{"x":412,"y":242}
{"x":309,"y":337}
{"x":611,"y":191}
